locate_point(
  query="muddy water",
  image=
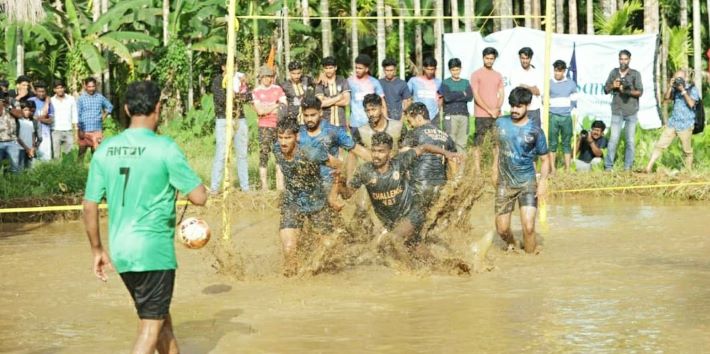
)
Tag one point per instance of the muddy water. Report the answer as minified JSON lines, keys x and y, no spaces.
{"x":616,"y":275}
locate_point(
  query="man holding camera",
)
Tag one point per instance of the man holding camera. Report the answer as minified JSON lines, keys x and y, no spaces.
{"x":625,"y":86}
{"x":682,"y":119}
{"x":589,"y":146}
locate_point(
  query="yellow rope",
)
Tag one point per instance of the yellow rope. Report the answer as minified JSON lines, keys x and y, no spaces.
{"x":648,"y":186}
{"x":61,"y":208}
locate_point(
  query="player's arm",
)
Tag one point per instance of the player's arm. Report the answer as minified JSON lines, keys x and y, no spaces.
{"x":361,"y":152}
{"x":426,"y":148}
{"x":91,"y":224}
{"x":344,"y":99}
{"x":198,"y":196}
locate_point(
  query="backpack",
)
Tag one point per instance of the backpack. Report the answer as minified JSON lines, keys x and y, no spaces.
{"x":699,"y":117}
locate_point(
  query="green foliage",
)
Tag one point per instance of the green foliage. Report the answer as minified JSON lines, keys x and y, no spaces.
{"x":680,"y":47}
{"x":197,"y":123}
{"x":52,"y":178}
{"x":618,"y":23}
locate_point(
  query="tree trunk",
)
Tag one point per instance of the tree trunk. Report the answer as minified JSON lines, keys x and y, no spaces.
{"x":306,"y":11}
{"x":684,"y":12}
{"x":255,"y":41}
{"x":107,"y":56}
{"x":454,"y":16}
{"x":166,"y":22}
{"x":381,"y":44}
{"x":286,"y":38}
{"x":20,"y":51}
{"x":402,"y":63}
{"x":607,"y":7}
{"x":619,"y":4}
{"x":353,"y":30}
{"x":527,"y":10}
{"x":95,"y":14}
{"x":572,"y":10}
{"x":697,"y":47}
{"x":418,"y":51}
{"x":536,"y":6}
{"x":590,"y":17}
{"x":438,"y":36}
{"x":505,"y":8}
{"x":663,"y":72}
{"x":190,"y":82}
{"x":326,"y":29}
{"x":650,"y":16}
{"x":559,"y":16}
{"x":467,"y":13}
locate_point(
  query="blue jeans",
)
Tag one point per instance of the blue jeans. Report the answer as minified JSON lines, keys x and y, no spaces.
{"x":240,"y":143}
{"x":630,"y":129}
{"x":11,"y":150}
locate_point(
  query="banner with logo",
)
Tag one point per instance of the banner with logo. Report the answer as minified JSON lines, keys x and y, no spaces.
{"x":594,"y":58}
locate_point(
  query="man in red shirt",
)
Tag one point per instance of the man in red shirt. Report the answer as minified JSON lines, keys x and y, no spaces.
{"x":487,"y":87}
{"x":268,"y":100}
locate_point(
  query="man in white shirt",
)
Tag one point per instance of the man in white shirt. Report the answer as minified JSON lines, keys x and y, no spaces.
{"x":65,"y":121}
{"x":528,"y":77}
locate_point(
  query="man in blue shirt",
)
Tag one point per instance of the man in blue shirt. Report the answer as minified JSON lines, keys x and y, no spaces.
{"x":425,"y":89}
{"x":682,"y":121}
{"x":93,"y":108}
{"x":518,"y":142}
{"x":361,"y":84}
{"x":397,"y":94}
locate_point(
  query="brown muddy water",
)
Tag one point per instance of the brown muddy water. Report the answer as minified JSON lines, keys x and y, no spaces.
{"x":616,"y":275}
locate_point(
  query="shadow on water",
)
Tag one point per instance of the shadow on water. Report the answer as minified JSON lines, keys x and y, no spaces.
{"x":216,"y":289}
{"x":202,"y":336}
{"x":14,"y":229}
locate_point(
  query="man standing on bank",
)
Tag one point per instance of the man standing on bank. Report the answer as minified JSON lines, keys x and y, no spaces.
{"x":518,"y":142}
{"x":139,"y":173}
{"x":488,"y":94}
{"x":625,"y":87}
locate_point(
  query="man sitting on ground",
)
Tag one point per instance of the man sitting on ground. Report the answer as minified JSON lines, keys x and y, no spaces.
{"x":589,"y":146}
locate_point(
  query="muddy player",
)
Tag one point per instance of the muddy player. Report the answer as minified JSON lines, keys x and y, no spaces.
{"x":392,"y":196}
{"x":428,"y":175}
{"x":139,"y":173}
{"x":304,"y":197}
{"x":518,"y":142}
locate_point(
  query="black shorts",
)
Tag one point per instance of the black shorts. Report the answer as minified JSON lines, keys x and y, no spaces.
{"x":526,"y":195}
{"x":483,"y":127}
{"x":321,"y":221}
{"x":151,"y":291}
{"x":415,"y":216}
{"x":426,"y":194}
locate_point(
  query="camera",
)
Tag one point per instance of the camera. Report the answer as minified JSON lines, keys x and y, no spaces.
{"x":583,"y":134}
{"x":625,"y":82}
{"x":678,"y":81}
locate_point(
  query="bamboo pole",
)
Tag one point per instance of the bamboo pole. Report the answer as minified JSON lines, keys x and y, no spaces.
{"x":231,"y":43}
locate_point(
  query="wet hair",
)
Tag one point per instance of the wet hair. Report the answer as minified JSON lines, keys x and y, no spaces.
{"x":519,"y":96}
{"x":527,"y":51}
{"x":454,"y":63}
{"x":429,"y":62}
{"x":88,"y":80}
{"x":329,"y":61}
{"x":490,"y":50}
{"x":625,"y":52}
{"x":598,"y":124}
{"x":363,"y":59}
{"x":418,"y":109}
{"x":142,"y":97}
{"x":311,"y":101}
{"x":287,"y":125}
{"x":59,"y":83}
{"x":40,"y":84}
{"x":28,"y":104}
{"x":559,"y":65}
{"x":372,"y":99}
{"x":294,"y":65}
{"x":382,"y":138}
{"x":22,"y":78}
{"x":388,"y":62}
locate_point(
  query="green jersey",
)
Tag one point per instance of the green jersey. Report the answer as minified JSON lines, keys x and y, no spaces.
{"x":139,"y":171}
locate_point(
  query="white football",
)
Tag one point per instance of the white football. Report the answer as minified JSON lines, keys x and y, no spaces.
{"x":194,"y":233}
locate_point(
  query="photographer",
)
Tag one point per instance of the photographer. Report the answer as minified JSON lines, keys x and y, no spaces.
{"x":625,"y":86}
{"x":682,"y":120}
{"x":589,"y":146}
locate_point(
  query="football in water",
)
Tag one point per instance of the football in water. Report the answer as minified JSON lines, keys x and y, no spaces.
{"x":194,"y":233}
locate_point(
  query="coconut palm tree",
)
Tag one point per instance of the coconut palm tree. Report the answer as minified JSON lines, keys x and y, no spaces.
{"x":527,"y":9}
{"x":305,"y":11}
{"x":536,"y":8}
{"x":560,"y":16}
{"x":505,"y":8}
{"x":697,"y":48}
{"x":353,"y":31}
{"x":381,"y":45}
{"x":683,"y":12}
{"x":438,"y":33}
{"x":418,"y":50}
{"x":590,"y":17}
{"x":468,"y":10}
{"x":650,"y":16}
{"x":608,"y":7}
{"x":166,"y":21}
{"x":572,"y":9}
{"x":326,"y":28}
{"x":22,"y":11}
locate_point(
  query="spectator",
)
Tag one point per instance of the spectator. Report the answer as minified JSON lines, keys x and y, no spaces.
{"x":4,"y":86}
{"x":487,"y":87}
{"x":241,"y":137}
{"x":28,"y":129}
{"x":397,"y":93}
{"x":93,"y":108}
{"x":425,"y":89}
{"x":9,"y":148}
{"x":527,"y":76}
{"x":44,"y":114}
{"x":295,"y":88}
{"x":361,"y":84}
{"x":22,"y":92}
{"x":334,"y":92}
{"x":563,"y":100}
{"x":590,"y":147}
{"x":66,"y":118}
{"x":268,"y":100}
{"x":456,"y":93}
{"x":682,"y":121}
{"x":625,"y":87}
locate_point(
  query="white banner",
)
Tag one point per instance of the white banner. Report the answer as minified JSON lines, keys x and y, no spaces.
{"x":595,"y":55}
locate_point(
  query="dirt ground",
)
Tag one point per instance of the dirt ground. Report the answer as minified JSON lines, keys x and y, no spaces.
{"x":615,"y":275}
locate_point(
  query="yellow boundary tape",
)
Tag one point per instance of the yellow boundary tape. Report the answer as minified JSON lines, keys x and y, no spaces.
{"x":183,"y":202}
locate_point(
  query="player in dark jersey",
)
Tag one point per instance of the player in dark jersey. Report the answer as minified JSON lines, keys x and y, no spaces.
{"x":391,"y":194}
{"x":518,"y":142}
{"x":429,"y":172}
{"x":304,"y":197}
